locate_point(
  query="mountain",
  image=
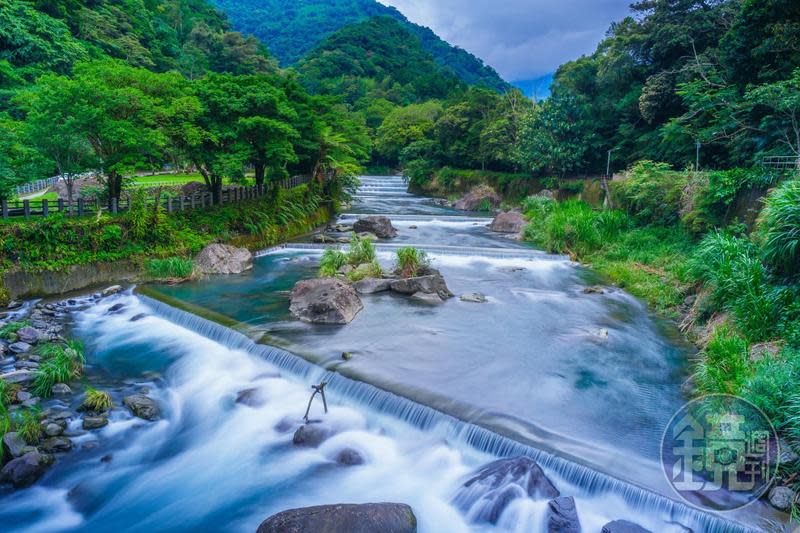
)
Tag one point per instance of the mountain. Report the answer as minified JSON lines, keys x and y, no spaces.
{"x":379,"y":59}
{"x":292,"y":28}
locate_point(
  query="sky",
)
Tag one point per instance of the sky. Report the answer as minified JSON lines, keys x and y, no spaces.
{"x":521,"y":39}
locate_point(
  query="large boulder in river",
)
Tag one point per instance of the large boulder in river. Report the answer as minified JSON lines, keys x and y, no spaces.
{"x":343,"y":518}
{"x":372,"y":285}
{"x":562,"y":516}
{"x":223,"y":259}
{"x":311,"y":435}
{"x":430,"y":284}
{"x":478,"y":199}
{"x":496,"y":485}
{"x":143,"y":407}
{"x":325,"y":301}
{"x":24,"y":471}
{"x":509,"y":222}
{"x":381,"y":227}
{"x":623,"y":526}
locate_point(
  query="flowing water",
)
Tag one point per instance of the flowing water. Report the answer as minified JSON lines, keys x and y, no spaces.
{"x":584,"y":383}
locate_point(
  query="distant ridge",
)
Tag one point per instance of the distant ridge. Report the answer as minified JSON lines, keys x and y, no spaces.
{"x":292,"y":28}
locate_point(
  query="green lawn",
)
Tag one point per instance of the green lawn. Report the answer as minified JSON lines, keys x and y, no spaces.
{"x":170,"y":179}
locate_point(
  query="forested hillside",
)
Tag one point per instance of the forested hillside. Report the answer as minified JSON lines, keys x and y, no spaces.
{"x":292,"y":28}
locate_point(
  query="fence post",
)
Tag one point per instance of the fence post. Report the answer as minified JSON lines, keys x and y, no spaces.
{"x":80,"y":206}
{"x":60,"y":205}
{"x":45,"y":208}
{"x":26,"y":208}
{"x":114,"y":206}
{"x":181,"y":201}
{"x":169,"y":204}
{"x":4,"y":205}
{"x":192,"y":198}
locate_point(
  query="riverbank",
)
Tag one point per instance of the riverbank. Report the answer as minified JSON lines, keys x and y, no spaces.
{"x":62,"y":254}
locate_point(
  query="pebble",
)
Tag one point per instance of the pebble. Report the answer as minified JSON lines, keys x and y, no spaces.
{"x":94,"y":422}
{"x":20,"y":347}
{"x":53,"y":430}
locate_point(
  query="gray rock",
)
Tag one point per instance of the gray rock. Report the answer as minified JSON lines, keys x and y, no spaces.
{"x":223,"y":259}
{"x":138,"y":317}
{"x":593,"y":290}
{"x":562,"y":516}
{"x":109,"y":291}
{"x":343,"y":518}
{"x":40,"y":324}
{"x":501,"y":482}
{"x":14,"y":304}
{"x":61,"y":389}
{"x":379,"y":226}
{"x":142,"y":406}
{"x":781,"y":498}
{"x":311,"y":435}
{"x":29,"y":335}
{"x":19,"y":347}
{"x":623,"y":526}
{"x":477,"y":198}
{"x":53,"y":430}
{"x":510,"y":222}
{"x":372,"y":285}
{"x":19,"y":376}
{"x":427,"y":298}
{"x":325,"y":301}
{"x":250,"y":398}
{"x":476,"y":298}
{"x":56,"y":445}
{"x":24,"y":471}
{"x":349,"y":457}
{"x":23,"y":396}
{"x":429,"y":284}
{"x":116,"y":309}
{"x":321,"y":238}
{"x":368,"y":236}
{"x":14,"y":444}
{"x":94,"y":422}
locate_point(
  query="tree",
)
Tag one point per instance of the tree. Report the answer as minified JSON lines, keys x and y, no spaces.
{"x":781,"y":104}
{"x":54,"y":130}
{"x":404,"y":126}
{"x":18,"y":162}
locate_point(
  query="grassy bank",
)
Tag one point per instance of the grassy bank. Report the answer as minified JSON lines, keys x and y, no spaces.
{"x":688,"y":246}
{"x":164,"y":243}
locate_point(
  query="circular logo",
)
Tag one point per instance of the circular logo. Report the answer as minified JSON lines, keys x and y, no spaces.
{"x":720,"y":452}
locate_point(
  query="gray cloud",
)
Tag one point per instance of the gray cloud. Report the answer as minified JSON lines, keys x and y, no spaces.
{"x":522,"y":39}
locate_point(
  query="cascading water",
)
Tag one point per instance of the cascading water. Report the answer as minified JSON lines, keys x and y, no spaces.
{"x":457,"y":387}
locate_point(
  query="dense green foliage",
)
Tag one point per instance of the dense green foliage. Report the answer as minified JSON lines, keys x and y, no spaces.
{"x":293,"y":28}
{"x":96,"y":401}
{"x":360,"y":256}
{"x":410,"y":261}
{"x":171,"y":268}
{"x":60,"y":363}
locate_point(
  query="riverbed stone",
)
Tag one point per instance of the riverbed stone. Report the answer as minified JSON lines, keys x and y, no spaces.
{"x":430,"y":284}
{"x":142,"y":406}
{"x":349,"y":457}
{"x":522,"y":471}
{"x":562,"y":516}
{"x":56,"y":445}
{"x":94,"y":422}
{"x":250,"y":397}
{"x":324,"y":301}
{"x":61,"y":389}
{"x":18,"y":376}
{"x":53,"y":430}
{"x":379,"y":226}
{"x":781,"y":498}
{"x":223,"y":259}
{"x":372,"y":285}
{"x":343,"y":518}
{"x":480,"y":196}
{"x":623,"y":526}
{"x":14,"y":444}
{"x":427,"y":298}
{"x":475,"y":298}
{"x":110,"y":291}
{"x":19,"y":347}
{"x":24,"y":471}
{"x":508,"y":222}
{"x":23,"y":396}
{"x":311,"y":435}
{"x":29,"y":335}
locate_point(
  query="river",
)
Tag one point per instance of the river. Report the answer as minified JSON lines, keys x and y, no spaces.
{"x":584,"y":383}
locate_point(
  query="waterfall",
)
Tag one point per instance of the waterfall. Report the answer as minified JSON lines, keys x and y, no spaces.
{"x":432,"y":249}
{"x":483,"y":440}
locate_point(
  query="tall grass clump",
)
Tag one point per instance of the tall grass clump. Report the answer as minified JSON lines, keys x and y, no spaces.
{"x":9,"y":331}
{"x":60,"y":364}
{"x":26,"y":424}
{"x":781,"y":226}
{"x":332,"y":261}
{"x":723,"y":366}
{"x":411,"y":261}
{"x":171,"y":268}
{"x":361,"y":251}
{"x":96,"y":401}
{"x":773,"y":386}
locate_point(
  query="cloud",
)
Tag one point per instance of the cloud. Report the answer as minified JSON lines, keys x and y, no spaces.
{"x":522,"y":39}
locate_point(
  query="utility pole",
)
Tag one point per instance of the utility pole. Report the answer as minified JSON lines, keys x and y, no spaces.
{"x":605,"y":180}
{"x":697,"y":157}
{"x":608,"y":164}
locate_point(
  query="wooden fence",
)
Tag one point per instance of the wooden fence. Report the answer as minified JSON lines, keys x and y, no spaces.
{"x":172,"y":204}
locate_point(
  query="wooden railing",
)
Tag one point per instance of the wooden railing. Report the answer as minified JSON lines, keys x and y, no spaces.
{"x":171,"y":204}
{"x":781,"y":162}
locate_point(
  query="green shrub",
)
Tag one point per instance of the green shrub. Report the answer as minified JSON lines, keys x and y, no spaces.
{"x":9,"y":331}
{"x":60,"y":364}
{"x":332,"y":261}
{"x":651,"y":193}
{"x":714,"y":194}
{"x":5,"y":296}
{"x":722,"y":367}
{"x":361,"y":251}
{"x":538,"y":207}
{"x":373,"y":270}
{"x":97,"y":401}
{"x":410,"y":261}
{"x":26,"y":424}
{"x":773,"y":385}
{"x":781,"y":226}
{"x":171,"y":268}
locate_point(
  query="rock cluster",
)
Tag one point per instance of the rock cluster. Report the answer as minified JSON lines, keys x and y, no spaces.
{"x":478,"y":198}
